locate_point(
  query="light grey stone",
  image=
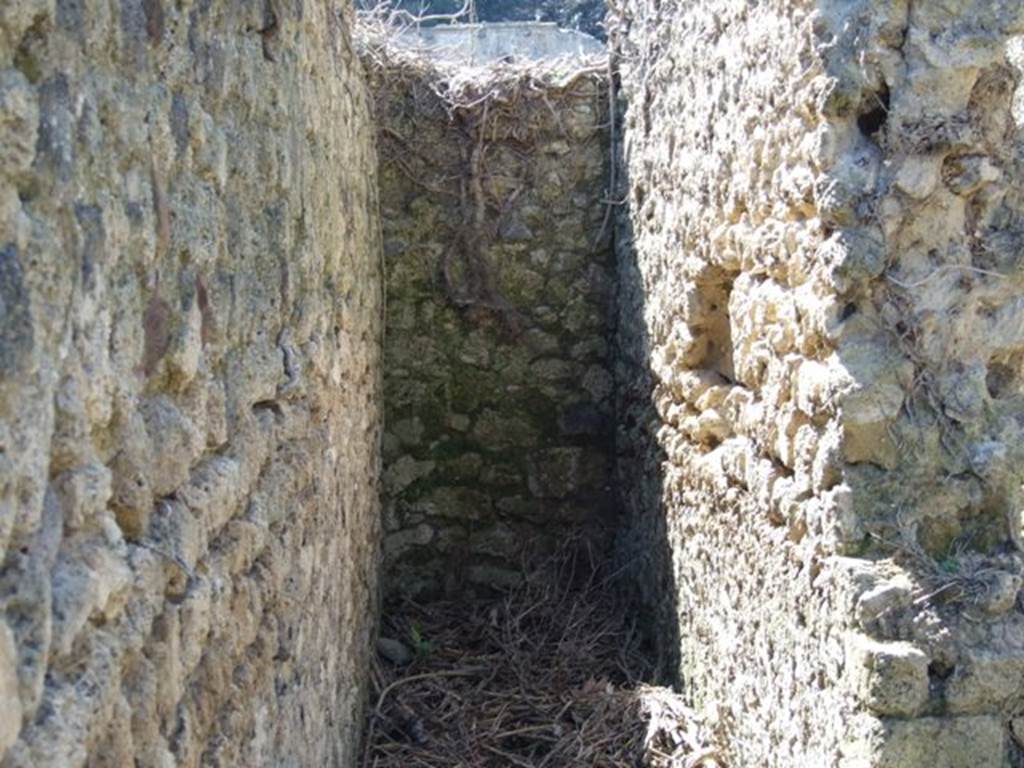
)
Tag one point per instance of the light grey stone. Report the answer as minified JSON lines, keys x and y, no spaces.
{"x":394,"y":651}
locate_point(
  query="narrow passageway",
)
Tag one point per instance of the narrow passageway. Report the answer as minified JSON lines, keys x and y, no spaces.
{"x":705,"y":333}
{"x":505,"y":640}
{"x":550,"y":674}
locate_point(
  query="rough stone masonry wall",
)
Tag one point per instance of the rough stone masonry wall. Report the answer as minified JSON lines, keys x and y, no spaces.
{"x":498,"y":390}
{"x":189,"y":348}
{"x":822,"y":347}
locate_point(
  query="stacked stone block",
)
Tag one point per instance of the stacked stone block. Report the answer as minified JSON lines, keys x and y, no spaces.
{"x":190,"y":314}
{"x":819,"y":400}
{"x":500,"y":309}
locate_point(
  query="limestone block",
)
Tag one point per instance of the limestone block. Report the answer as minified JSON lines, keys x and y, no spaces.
{"x":494,"y":576}
{"x":179,"y":535}
{"x":455,"y":503}
{"x":1005,"y":331}
{"x":942,"y":743}
{"x":964,"y":393}
{"x":883,"y":600}
{"x":404,"y":472}
{"x":215,"y":491}
{"x":552,"y":369}
{"x":985,"y":682}
{"x":889,"y":678}
{"x":966,"y":174}
{"x":557,"y":473}
{"x":501,"y":430}
{"x":1002,"y":590}
{"x":815,"y":385}
{"x":255,"y":373}
{"x":174,"y":441}
{"x":71,"y":445}
{"x":397,"y":543}
{"x":919,"y":175}
{"x":88,"y":580}
{"x":873,"y":401}
{"x":409,"y":431}
{"x":16,"y":332}
{"x":196,"y":620}
{"x":84,"y":493}
{"x":460,"y":422}
{"x":465,"y":468}
{"x":500,"y":541}
{"x":19,"y":119}
{"x":598,"y":382}
{"x":185,"y":348}
{"x":132,"y":495}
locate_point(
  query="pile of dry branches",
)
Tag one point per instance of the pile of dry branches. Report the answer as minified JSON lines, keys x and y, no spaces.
{"x":459,"y":85}
{"x":547,"y":677}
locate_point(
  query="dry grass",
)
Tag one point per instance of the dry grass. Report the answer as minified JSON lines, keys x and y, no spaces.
{"x":462,"y":87}
{"x":550,"y":676}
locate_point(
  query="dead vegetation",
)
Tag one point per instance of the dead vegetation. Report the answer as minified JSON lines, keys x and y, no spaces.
{"x":460,"y":85}
{"x":549,"y":676}
{"x":426,"y":105}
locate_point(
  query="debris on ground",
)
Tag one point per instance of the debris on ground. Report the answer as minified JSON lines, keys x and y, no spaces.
{"x":548,"y":676}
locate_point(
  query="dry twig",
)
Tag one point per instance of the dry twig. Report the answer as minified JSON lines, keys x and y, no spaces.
{"x":549,"y":676}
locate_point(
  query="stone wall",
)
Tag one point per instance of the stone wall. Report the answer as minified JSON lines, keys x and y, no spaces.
{"x":498,"y":391}
{"x":816,"y":368}
{"x":819,"y":378}
{"x":189,"y":358}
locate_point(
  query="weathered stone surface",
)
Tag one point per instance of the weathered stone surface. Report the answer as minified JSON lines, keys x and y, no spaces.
{"x":816,"y":369}
{"x":928,"y":742}
{"x":986,"y":681}
{"x":393,"y":650}
{"x":889,"y":678}
{"x":189,"y":362}
{"x":821,"y":352}
{"x":499,"y":314}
